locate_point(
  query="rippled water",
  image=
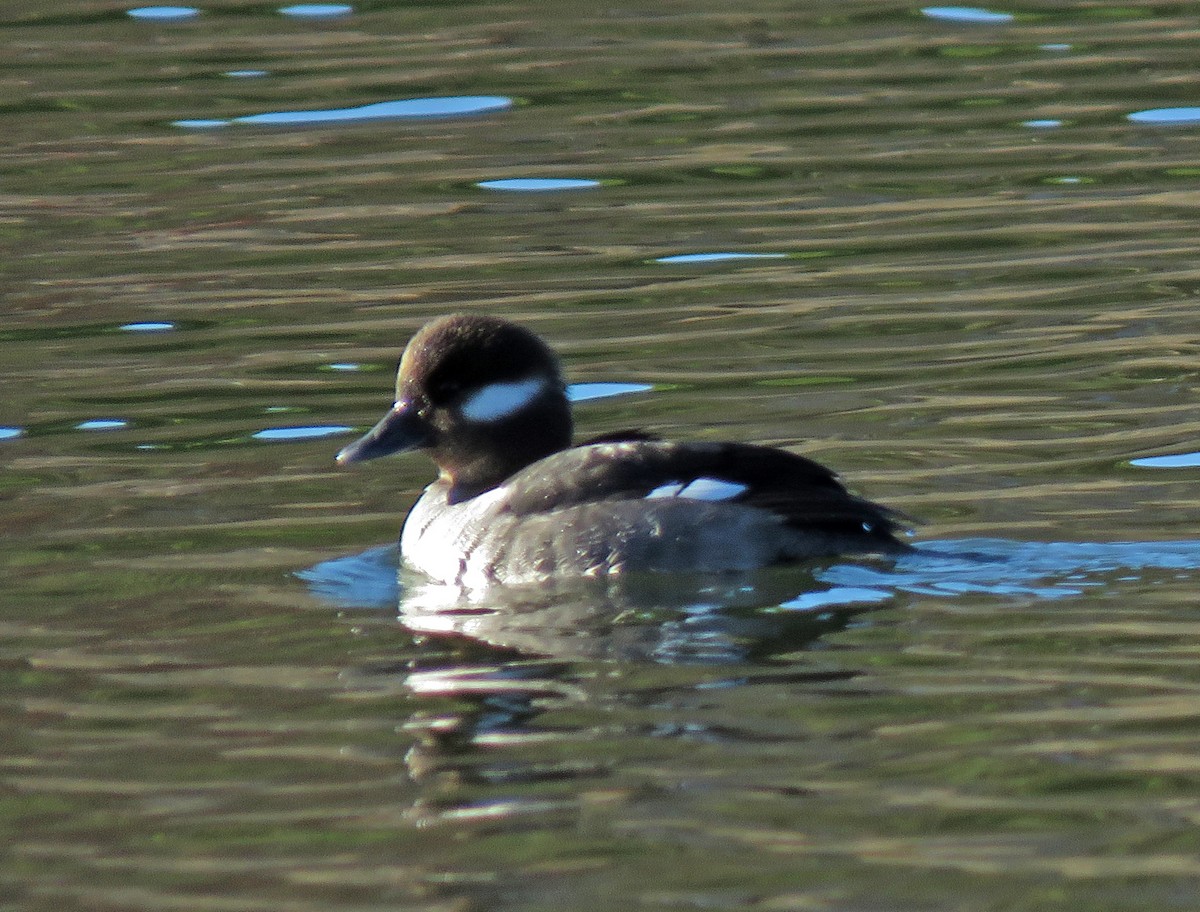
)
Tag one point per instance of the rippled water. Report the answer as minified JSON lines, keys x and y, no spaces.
{"x":950,"y":254}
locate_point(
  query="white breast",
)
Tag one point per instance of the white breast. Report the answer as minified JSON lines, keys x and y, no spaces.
{"x":440,"y":540}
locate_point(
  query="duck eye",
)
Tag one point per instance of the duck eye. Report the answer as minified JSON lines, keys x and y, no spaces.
{"x":444,"y":390}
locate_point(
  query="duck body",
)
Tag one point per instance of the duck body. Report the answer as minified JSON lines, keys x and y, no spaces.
{"x":515,"y":503}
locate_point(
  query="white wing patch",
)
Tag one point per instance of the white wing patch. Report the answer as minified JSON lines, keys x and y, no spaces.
{"x":500,"y":400}
{"x":712,"y":489}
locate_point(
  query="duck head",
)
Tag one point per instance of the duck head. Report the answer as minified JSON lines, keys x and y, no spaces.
{"x":484,"y":396}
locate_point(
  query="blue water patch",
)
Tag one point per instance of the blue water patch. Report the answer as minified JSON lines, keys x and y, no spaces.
{"x":838,"y":597}
{"x":366,"y":580}
{"x":164,"y":13}
{"x":317,"y":10}
{"x":966,"y":14}
{"x":147,"y":327}
{"x":1057,"y":48}
{"x":102,"y":424}
{"x":1166,"y":116}
{"x":343,"y":366}
{"x":201,"y":124}
{"x":449,"y":106}
{"x":1042,"y":124}
{"x":1000,"y":567}
{"x":10,"y":433}
{"x":585,"y":392}
{"x":246,"y":74}
{"x":718,"y":257}
{"x":538,"y":184}
{"x":1179,"y":461}
{"x":309,"y":432}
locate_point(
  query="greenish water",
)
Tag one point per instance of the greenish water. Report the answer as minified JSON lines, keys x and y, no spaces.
{"x":210,"y":698}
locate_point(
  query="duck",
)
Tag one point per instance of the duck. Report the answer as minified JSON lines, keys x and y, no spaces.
{"x":515,"y":502}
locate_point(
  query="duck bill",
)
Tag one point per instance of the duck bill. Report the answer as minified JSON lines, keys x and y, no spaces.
{"x":399,"y":430}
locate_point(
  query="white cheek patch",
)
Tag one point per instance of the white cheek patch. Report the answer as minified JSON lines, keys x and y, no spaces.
{"x":712,"y":489}
{"x":500,"y":400}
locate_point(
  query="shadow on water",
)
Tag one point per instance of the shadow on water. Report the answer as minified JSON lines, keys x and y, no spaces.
{"x":717,"y":620}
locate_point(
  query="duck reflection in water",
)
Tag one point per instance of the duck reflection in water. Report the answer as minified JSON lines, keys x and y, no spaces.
{"x":729,"y":618}
{"x":671,"y":618}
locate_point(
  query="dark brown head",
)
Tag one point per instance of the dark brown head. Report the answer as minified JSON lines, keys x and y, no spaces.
{"x":486,"y":397}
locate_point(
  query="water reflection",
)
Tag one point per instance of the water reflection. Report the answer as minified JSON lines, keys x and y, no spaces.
{"x":147,"y":327}
{"x":11,"y":433}
{"x":101,"y":424}
{"x":164,"y":13}
{"x":586,"y":392}
{"x":246,"y":74}
{"x":305,"y":432}
{"x":660,"y":618}
{"x":1166,"y":116}
{"x":1176,"y":461}
{"x":653,"y":617}
{"x":450,"y":106}
{"x":366,"y":580}
{"x":670,"y":618}
{"x":498,"y":750}
{"x":201,"y":123}
{"x":718,"y":257}
{"x":317,"y":10}
{"x":966,"y":14}
{"x":538,"y":184}
{"x":495,"y":705}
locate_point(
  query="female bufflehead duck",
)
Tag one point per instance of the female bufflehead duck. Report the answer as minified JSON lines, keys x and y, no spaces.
{"x":515,"y":502}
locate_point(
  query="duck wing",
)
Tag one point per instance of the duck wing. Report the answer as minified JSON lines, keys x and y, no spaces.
{"x":802,"y":493}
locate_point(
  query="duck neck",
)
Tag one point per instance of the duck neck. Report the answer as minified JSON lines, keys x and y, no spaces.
{"x":487,"y":455}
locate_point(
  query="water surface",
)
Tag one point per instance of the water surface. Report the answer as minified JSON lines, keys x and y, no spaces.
{"x":218,"y":695}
